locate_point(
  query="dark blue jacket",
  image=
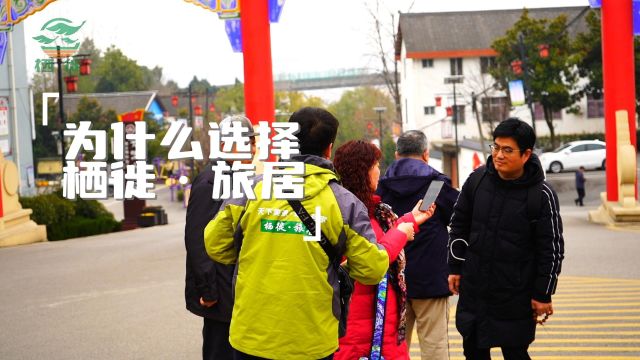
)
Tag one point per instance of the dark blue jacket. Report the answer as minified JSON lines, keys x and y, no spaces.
{"x":579,"y":180}
{"x":402,"y":186}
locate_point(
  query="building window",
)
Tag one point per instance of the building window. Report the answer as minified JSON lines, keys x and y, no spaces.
{"x":495,"y":109}
{"x":487,"y":63}
{"x":456,"y":66}
{"x":460,"y":113}
{"x":427,"y":63}
{"x":429,"y":110}
{"x":595,"y":107}
{"x":539,"y":112}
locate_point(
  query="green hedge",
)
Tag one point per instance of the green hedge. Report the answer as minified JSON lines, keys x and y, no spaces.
{"x":67,"y":219}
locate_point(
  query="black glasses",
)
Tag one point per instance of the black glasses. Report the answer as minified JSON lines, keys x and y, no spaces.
{"x":506,"y":150}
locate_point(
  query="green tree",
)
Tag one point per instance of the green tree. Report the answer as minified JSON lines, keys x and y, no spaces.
{"x":87,"y":84}
{"x":118,"y":73}
{"x":287,"y":102}
{"x":552,"y":81}
{"x":587,"y":56}
{"x":355,"y":112}
{"x":45,"y":144}
{"x":230,"y":100}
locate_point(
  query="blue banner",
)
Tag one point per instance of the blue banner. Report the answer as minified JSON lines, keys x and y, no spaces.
{"x":275,"y":9}
{"x":595,"y":4}
{"x":234,"y":33}
{"x":4,"y":41}
{"x":636,"y":17}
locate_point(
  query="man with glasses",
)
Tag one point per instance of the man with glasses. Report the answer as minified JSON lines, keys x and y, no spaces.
{"x":505,"y":248}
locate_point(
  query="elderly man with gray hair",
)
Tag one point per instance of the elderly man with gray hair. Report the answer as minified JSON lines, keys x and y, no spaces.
{"x":404,"y":183}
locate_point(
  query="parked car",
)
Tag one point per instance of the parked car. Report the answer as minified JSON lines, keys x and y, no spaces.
{"x":588,"y":153}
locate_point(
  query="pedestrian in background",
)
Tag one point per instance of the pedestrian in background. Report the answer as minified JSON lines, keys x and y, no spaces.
{"x":207,"y":282}
{"x":372,"y":327}
{"x":580,"y":180}
{"x":404,"y":183}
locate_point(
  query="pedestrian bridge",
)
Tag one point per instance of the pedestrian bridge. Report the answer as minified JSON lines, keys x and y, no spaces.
{"x":328,"y":80}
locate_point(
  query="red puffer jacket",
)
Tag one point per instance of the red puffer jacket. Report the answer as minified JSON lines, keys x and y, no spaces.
{"x":357,"y":342}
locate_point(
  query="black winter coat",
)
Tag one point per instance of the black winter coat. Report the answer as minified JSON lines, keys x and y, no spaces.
{"x":204,"y":277}
{"x":403,"y":185}
{"x":509,"y":260}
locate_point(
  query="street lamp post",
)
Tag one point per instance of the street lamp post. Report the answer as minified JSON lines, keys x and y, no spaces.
{"x":380,"y":110}
{"x":455,"y":79}
{"x":61,"y":105}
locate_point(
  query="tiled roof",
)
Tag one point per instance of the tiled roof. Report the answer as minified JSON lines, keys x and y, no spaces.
{"x":427,"y":34}
{"x":120,"y":102}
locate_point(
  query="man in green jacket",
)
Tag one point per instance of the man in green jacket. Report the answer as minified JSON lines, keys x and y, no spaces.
{"x":286,"y":290}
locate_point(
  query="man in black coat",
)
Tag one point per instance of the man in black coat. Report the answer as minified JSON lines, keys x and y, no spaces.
{"x":506,"y":248}
{"x":208,"y":283}
{"x":404,"y":183}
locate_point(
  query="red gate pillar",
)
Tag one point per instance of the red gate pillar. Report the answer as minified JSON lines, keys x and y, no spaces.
{"x":619,"y":83}
{"x":256,"y":47}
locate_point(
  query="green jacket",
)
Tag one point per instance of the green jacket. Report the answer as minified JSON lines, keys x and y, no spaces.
{"x":286,"y":292}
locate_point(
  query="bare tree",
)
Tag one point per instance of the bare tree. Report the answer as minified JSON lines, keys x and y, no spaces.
{"x":387,"y":59}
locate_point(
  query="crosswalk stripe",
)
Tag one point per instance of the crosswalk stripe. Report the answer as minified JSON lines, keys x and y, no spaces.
{"x":560,"y":305}
{"x":598,"y":311}
{"x":594,"y":319}
{"x":570,"y":341}
{"x":579,"y":349}
{"x":617,"y":333}
{"x":555,"y":357}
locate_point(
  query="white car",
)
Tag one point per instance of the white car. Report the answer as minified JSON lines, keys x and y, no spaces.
{"x":588,"y":153}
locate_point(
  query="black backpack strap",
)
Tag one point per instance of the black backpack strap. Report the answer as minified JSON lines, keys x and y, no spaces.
{"x":475,"y":179}
{"x":310,"y":224}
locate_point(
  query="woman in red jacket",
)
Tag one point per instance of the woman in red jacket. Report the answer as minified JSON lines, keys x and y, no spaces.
{"x":357,"y":164}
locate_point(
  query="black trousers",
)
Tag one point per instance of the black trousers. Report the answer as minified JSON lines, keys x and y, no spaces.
{"x":472,"y":352}
{"x":215,"y":341}
{"x":580,"y":197}
{"x":242,"y":356}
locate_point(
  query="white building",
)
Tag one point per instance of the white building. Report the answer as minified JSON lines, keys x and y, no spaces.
{"x":434,"y":46}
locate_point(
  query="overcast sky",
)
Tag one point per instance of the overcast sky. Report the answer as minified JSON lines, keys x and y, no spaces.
{"x":186,"y":40}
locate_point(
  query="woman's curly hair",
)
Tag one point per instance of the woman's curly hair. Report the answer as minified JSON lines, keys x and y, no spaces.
{"x":352,"y":161}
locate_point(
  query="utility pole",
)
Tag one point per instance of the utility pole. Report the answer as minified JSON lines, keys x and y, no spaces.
{"x":455,"y":79}
{"x":380,"y":110}
{"x":193,"y":128}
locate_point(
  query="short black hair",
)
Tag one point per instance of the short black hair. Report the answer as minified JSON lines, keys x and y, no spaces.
{"x":412,"y":142}
{"x":318,"y":130}
{"x":519,"y":130}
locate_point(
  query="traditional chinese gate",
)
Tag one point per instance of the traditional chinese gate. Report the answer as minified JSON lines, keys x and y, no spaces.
{"x":256,"y":47}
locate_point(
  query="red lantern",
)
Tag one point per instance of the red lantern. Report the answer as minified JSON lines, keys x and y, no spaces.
{"x":449,"y":111}
{"x":174,"y":101}
{"x":72,"y":83}
{"x":85,"y":67}
{"x":198,"y":110}
{"x":193,"y":100}
{"x":516,"y":66}
{"x":543,"y":50}
{"x":438,"y":100}
{"x":212,"y":108}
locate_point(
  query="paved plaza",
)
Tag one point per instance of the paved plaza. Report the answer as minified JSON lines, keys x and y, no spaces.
{"x":120,"y":295}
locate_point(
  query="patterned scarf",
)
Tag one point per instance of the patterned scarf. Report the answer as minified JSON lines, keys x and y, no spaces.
{"x":387,"y":218}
